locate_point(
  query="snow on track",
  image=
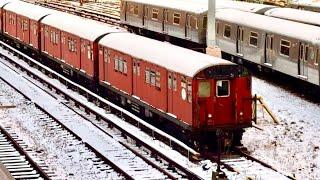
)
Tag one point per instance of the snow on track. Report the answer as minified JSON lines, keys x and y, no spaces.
{"x":293,"y":145}
{"x":107,"y":146}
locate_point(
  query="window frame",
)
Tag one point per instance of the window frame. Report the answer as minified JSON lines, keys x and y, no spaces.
{"x":174,"y":17}
{"x":283,"y":40}
{"x":210,"y":89}
{"x":224,"y":31}
{"x":255,"y":37}
{"x":155,"y":11}
{"x":228,"y":88}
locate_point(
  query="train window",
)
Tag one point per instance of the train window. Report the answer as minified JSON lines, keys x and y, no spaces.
{"x":285,"y":47}
{"x":227,"y":31}
{"x":194,"y":22}
{"x":317,"y":58}
{"x":152,"y":78}
{"x":89,"y":52}
{"x":176,"y":18}
{"x":155,"y":13}
{"x":223,"y":88}
{"x":147,"y":78}
{"x":35,"y":29}
{"x":204,"y":89}
{"x":125,"y":67}
{"x":205,"y":19}
{"x":138,"y":69}
{"x":158,"y":80}
{"x":25,"y":25}
{"x":169,"y":82}
{"x":174,"y":83}
{"x":217,"y":27}
{"x":189,"y":91}
{"x":56,"y":38}
{"x":116,"y":63}
{"x":253,"y":39}
{"x":136,"y":10}
{"x":106,"y":56}
{"x":183,"y":88}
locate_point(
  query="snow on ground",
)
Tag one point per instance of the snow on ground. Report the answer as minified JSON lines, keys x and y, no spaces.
{"x":66,"y":160}
{"x":293,"y":145}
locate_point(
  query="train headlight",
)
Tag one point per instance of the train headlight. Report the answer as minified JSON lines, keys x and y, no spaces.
{"x":209,"y":115}
{"x":241,"y":113}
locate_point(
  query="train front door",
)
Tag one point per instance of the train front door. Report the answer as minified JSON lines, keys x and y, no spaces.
{"x":268,"y":50}
{"x":303,"y":61}
{"x":224,"y":105}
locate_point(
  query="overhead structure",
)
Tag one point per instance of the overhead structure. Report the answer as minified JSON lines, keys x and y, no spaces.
{"x":212,"y":48}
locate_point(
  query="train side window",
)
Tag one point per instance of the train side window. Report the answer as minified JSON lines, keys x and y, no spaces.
{"x":158,"y":80}
{"x":223,"y":88}
{"x":204,"y":89}
{"x":217,"y":27}
{"x":116,"y":63}
{"x":253,"y":41}
{"x":205,"y":19}
{"x":155,"y":13}
{"x":285,"y":47}
{"x":152,"y":78}
{"x":174,"y":84}
{"x":176,"y":18}
{"x":227,"y":31}
{"x":317,"y":58}
{"x":189,"y":91}
{"x":147,"y":74}
{"x":136,"y":10}
{"x":106,"y":56}
{"x":169,"y":81}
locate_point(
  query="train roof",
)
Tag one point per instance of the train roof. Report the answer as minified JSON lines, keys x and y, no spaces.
{"x":79,"y":26}
{"x":184,"y":5}
{"x":298,"y":15}
{"x":295,"y":30}
{"x":3,"y":2}
{"x":31,"y":11}
{"x":307,"y":3}
{"x":171,"y":57}
{"x":201,"y":6}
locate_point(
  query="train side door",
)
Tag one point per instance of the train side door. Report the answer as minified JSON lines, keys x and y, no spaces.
{"x":268,"y":50}
{"x":171,"y":79}
{"x":165,"y":22}
{"x":136,"y":78}
{"x":145,"y":16}
{"x":188,"y":26}
{"x":240,"y":41}
{"x":303,"y":61}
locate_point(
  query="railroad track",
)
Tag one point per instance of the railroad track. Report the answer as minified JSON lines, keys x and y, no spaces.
{"x":108,"y":12}
{"x":251,"y":168}
{"x":144,"y":161}
{"x":21,"y":161}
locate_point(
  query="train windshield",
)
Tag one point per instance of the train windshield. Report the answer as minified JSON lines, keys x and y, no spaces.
{"x":204,"y":89}
{"x":223,"y":87}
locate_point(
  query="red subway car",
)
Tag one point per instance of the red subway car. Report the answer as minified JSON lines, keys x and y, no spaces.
{"x":188,"y":94}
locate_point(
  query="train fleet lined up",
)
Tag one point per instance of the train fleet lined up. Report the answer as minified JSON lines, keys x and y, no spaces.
{"x":270,"y":37}
{"x":188,"y":93}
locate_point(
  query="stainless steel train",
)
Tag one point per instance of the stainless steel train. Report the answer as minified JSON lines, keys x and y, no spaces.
{"x":242,"y":32}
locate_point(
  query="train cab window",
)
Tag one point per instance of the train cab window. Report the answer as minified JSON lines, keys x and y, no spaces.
{"x":223,"y":88}
{"x":253,"y":41}
{"x":176,"y":18}
{"x":285,"y":47}
{"x":155,"y":13}
{"x":227,"y":31}
{"x":204,"y":89}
